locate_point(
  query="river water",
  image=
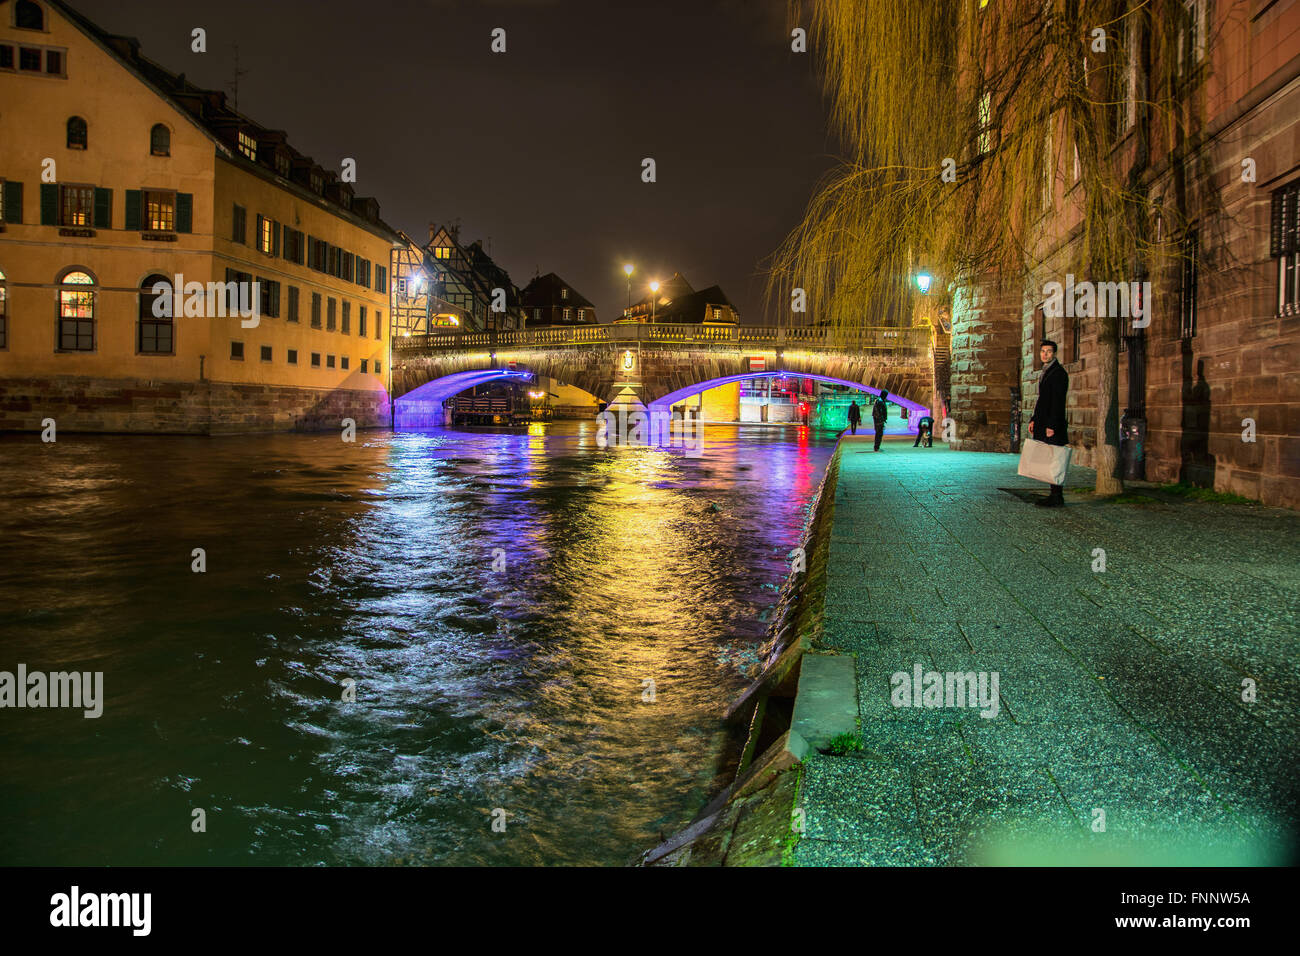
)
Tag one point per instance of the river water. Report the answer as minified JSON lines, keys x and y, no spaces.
{"x":497,"y":602}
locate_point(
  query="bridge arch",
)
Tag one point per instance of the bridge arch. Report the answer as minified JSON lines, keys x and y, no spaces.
{"x":421,"y":407}
{"x":666,"y":402}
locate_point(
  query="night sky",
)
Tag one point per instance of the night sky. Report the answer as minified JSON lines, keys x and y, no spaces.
{"x":538,"y":149}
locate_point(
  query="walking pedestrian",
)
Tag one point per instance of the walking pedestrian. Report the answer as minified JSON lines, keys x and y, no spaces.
{"x":879,"y":411}
{"x":924,"y":427}
{"x":1048,"y":423}
{"x":855,"y":416}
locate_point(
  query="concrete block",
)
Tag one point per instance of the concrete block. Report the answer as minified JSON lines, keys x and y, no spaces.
{"x":827,"y":704}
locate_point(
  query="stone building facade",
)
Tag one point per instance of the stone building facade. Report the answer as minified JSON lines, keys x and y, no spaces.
{"x":1215,"y":376}
{"x":117,"y":175}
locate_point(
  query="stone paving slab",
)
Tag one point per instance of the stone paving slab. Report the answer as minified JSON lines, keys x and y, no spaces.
{"x":1120,"y":690}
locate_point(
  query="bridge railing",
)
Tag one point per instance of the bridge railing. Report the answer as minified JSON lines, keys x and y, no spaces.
{"x":758,"y":336}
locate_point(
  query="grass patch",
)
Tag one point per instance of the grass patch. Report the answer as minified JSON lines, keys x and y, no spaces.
{"x":1184,"y":490}
{"x":843,"y":744}
{"x":794,"y":830}
{"x":1163,"y":493}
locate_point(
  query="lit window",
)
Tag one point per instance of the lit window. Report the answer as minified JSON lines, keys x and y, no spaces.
{"x":717,"y":315}
{"x":159,"y":210}
{"x":247,"y":145}
{"x":4,"y":314}
{"x":76,"y":205}
{"x":1187,"y":297}
{"x":1284,"y":246}
{"x":264,"y":232}
{"x":442,"y":252}
{"x":77,"y":313}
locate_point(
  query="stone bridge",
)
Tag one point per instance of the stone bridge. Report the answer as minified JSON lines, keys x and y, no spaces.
{"x":657,"y":365}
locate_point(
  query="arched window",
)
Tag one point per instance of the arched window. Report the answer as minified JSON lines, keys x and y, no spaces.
{"x":154,"y":335}
{"x":160,"y":140}
{"x":4,"y":313}
{"x":29,"y":16}
{"x":76,"y":132}
{"x":76,"y":313}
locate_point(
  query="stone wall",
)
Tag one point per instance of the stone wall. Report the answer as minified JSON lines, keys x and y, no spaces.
{"x":985,"y":365}
{"x":183,"y":408}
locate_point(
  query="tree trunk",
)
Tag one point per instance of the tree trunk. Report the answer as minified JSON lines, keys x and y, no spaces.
{"x":1107,"y":449}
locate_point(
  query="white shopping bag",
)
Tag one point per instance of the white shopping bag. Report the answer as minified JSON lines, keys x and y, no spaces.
{"x":1044,"y":462}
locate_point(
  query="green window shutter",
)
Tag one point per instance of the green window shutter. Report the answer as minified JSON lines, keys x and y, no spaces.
{"x":275,"y":238}
{"x":257,"y":235}
{"x":103,"y":208}
{"x":132,"y":217}
{"x":184,"y":212}
{"x":14,"y":203}
{"x":49,"y":204}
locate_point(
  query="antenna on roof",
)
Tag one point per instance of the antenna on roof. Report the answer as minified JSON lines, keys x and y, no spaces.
{"x":234,"y":87}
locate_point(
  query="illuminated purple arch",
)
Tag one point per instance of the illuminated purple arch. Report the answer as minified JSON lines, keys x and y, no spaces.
{"x":668,"y":401}
{"x":422,"y":407}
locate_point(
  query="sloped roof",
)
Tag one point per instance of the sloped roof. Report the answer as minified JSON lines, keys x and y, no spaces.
{"x":210,"y":112}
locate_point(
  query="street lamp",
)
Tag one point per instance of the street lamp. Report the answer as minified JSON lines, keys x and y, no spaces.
{"x":654,"y":299}
{"x":628,"y":269}
{"x":923,"y":282}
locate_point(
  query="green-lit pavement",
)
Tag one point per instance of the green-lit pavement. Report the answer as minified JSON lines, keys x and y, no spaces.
{"x":1123,"y":729}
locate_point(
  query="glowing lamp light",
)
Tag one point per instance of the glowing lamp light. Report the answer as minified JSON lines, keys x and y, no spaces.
{"x":654,"y":286}
{"x":628,"y":269}
{"x":923,"y":282}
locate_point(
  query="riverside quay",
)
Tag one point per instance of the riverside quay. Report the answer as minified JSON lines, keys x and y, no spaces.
{"x":488,"y":434}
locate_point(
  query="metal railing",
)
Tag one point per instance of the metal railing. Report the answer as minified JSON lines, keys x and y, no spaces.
{"x":757,"y":336}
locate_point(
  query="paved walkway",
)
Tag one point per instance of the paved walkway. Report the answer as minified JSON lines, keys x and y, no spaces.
{"x":1120,"y":690}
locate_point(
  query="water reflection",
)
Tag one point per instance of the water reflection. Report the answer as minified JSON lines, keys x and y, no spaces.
{"x":501,"y":601}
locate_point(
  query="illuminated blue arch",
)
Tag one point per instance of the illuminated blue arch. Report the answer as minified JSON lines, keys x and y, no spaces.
{"x":422,"y":407}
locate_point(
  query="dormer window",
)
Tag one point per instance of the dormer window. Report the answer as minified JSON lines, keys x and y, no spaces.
{"x":77,"y":134}
{"x":564,"y":293}
{"x":29,"y":16}
{"x":317,"y":183}
{"x":282,"y":165}
{"x":160,"y":140}
{"x":247,"y":145}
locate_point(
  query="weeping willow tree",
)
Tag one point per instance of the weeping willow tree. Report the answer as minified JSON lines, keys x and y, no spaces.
{"x":993,"y":144}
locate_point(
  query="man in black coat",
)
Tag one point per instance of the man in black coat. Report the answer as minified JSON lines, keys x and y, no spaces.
{"x":855,"y":416}
{"x":1048,"y":423}
{"x":879,"y":412}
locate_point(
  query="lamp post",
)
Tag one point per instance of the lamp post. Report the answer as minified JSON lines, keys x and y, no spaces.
{"x":628,"y":269}
{"x":654,"y":300}
{"x":923,"y":282}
